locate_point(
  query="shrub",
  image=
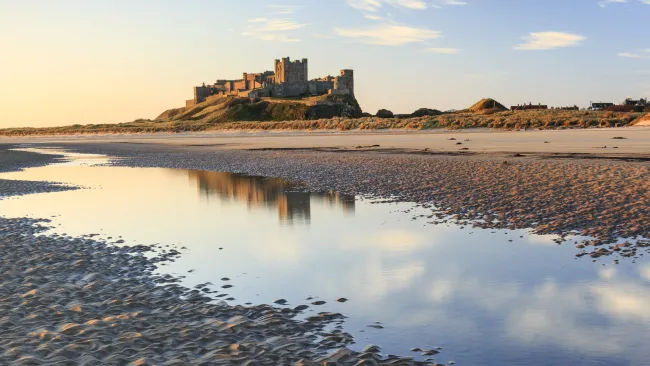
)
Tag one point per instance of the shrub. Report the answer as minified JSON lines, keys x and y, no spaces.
{"x":385,"y":113}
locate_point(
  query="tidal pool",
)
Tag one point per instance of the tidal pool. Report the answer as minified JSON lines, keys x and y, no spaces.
{"x":485,"y":296}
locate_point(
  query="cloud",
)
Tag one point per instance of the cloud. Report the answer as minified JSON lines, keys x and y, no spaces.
{"x":285,"y":9}
{"x":388,"y":34}
{"x":281,"y":25}
{"x":375,"y":5}
{"x":276,"y":30}
{"x":372,"y":17}
{"x":550,"y":40}
{"x":643,"y":54}
{"x":454,"y":2}
{"x":632,"y":55}
{"x":444,"y":51}
{"x":409,"y":4}
{"x":604,"y":3}
{"x":365,"y":5}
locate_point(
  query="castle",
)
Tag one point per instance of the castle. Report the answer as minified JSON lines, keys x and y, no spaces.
{"x":288,"y":79}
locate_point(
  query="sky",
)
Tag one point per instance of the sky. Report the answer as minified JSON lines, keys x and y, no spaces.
{"x":107,"y":61}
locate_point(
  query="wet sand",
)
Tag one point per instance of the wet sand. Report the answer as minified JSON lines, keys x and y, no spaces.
{"x":16,"y":160}
{"x":102,"y":302}
{"x":70,"y":300}
{"x":604,"y":199}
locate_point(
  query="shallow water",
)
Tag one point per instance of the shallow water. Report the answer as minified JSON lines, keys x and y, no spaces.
{"x":484,"y":296}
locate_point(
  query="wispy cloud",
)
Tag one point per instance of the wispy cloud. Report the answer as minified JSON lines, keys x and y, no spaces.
{"x":375,"y":5}
{"x":285,"y":9}
{"x":550,"y":40}
{"x":604,"y":3}
{"x":444,"y":51}
{"x":642,"y":54}
{"x":372,"y":17}
{"x":409,"y":4}
{"x":278,"y":25}
{"x":277,"y":30}
{"x":389,"y":34}
{"x":365,"y":5}
{"x":454,"y":2}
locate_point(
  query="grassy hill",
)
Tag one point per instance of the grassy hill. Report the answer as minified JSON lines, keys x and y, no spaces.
{"x":487,"y":106}
{"x":231,"y":109}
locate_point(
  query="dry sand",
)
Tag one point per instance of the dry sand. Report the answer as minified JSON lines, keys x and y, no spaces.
{"x":578,"y":141}
{"x":644,"y":121}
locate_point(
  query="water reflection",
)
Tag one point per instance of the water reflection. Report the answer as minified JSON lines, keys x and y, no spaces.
{"x":293,"y":206}
{"x":501,"y":298}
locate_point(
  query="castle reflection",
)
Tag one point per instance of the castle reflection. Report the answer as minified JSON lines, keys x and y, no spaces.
{"x":292,"y":206}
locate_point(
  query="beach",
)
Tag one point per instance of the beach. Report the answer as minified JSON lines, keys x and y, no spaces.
{"x":101,"y":303}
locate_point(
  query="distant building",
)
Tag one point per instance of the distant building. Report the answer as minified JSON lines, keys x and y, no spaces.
{"x":288,"y":79}
{"x":599,"y":106}
{"x":529,"y":106}
{"x":568,"y":108}
{"x":636,"y":103}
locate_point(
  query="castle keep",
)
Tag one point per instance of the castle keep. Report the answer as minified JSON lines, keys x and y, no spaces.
{"x":288,"y":79}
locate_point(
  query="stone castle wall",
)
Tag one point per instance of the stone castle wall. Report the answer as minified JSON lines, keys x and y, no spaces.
{"x":289,"y":79}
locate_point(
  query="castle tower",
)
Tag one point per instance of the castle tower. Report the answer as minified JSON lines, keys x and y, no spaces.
{"x":345,"y":81}
{"x":287,"y":71}
{"x":305,"y":70}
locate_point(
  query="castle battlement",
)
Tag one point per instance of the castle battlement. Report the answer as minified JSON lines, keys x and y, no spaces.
{"x":288,"y":79}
